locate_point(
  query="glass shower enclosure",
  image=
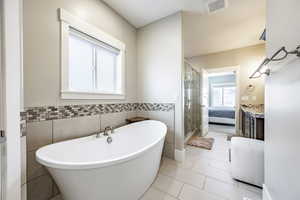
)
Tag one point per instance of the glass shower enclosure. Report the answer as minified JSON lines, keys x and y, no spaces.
{"x":192,"y":101}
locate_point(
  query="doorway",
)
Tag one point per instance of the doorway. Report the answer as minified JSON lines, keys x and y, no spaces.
{"x":223,"y":100}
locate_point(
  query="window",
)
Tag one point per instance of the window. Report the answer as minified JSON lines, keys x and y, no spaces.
{"x":223,"y":96}
{"x":92,"y":61}
{"x":93,"y":66}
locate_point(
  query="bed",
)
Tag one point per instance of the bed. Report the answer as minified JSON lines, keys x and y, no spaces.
{"x":221,"y":115}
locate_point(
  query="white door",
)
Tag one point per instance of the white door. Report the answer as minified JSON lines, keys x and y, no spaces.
{"x":204,"y":102}
{"x":2,"y":143}
{"x":10,"y":51}
{"x":2,"y":136}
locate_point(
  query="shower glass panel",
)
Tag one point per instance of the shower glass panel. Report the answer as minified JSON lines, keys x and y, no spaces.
{"x":192,"y":101}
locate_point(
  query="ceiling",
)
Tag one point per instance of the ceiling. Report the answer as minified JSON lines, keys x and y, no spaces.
{"x":239,"y":25}
{"x":142,"y":12}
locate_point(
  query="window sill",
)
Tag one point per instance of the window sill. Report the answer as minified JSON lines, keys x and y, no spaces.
{"x":90,"y":95}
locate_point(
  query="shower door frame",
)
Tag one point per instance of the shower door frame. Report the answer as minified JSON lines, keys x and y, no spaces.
{"x":187,"y":137}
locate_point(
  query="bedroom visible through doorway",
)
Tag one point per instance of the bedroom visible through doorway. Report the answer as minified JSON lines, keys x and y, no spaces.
{"x":222,"y":97}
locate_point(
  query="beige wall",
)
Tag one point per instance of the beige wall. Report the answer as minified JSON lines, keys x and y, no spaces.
{"x":247,"y":59}
{"x":160,"y":60}
{"x":42,"y":52}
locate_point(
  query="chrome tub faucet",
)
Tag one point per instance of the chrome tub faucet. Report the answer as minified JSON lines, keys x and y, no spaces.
{"x":106,"y":133}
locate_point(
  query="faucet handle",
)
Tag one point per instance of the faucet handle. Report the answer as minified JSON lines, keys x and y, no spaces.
{"x":107,"y":129}
{"x":112,"y":129}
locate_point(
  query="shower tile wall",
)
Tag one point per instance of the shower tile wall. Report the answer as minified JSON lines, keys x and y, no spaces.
{"x":40,"y":185}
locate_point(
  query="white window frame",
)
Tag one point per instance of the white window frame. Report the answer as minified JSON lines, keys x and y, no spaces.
{"x":222,"y":85}
{"x":69,"y":21}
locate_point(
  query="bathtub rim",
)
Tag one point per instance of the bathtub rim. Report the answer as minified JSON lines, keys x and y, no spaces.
{"x":50,"y":163}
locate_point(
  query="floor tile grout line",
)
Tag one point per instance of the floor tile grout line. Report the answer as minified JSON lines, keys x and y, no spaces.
{"x":179,"y":180}
{"x":222,"y":170}
{"x":191,"y":168}
{"x":153,"y":184}
{"x":157,"y":188}
{"x":237,"y":185}
{"x":204,"y":183}
{"x":181,"y":189}
{"x":208,"y":192}
{"x":199,"y":173}
{"x":198,"y":188}
{"x":203,"y":174}
{"x":216,"y":179}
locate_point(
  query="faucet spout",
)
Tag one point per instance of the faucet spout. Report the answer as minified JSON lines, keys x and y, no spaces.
{"x":106,"y":131}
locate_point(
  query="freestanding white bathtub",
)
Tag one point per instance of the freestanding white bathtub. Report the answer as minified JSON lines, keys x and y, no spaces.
{"x":89,"y":168}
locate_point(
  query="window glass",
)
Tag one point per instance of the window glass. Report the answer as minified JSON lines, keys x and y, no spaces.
{"x":217,"y":96}
{"x":229,"y":96}
{"x":81,"y":76}
{"x":223,"y":96}
{"x":92,"y":61}
{"x":106,"y":70}
{"x":92,"y":64}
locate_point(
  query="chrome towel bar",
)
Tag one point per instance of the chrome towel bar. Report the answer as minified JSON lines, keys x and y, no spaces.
{"x":257,"y":73}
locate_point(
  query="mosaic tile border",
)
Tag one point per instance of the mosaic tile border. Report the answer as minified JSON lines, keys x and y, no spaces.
{"x":44,"y":113}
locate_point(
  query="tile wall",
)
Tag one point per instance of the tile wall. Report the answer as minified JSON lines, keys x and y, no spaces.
{"x":23,"y":168}
{"x":43,"y":129}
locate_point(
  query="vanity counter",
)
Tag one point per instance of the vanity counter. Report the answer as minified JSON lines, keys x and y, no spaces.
{"x":252,"y":121}
{"x":254,"y":111}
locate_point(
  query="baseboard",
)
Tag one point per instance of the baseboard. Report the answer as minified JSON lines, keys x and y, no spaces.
{"x":266,"y":193}
{"x":179,"y":155}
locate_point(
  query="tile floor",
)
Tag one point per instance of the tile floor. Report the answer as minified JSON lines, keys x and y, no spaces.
{"x":203,"y":176}
{"x":222,"y":128}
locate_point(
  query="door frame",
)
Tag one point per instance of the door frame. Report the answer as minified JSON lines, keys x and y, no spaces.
{"x":204,"y":105}
{"x":236,"y":69}
{"x":11,"y":62}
